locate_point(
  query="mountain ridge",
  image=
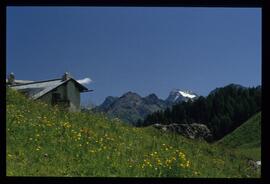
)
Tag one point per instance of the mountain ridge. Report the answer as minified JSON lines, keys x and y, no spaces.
{"x":131,"y":107}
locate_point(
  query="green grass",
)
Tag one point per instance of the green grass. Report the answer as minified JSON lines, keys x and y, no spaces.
{"x":45,"y":141}
{"x":246,"y":139}
{"x":247,"y":135}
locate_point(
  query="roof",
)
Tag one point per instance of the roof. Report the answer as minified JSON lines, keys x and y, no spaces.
{"x":20,"y":81}
{"x":40,"y":88}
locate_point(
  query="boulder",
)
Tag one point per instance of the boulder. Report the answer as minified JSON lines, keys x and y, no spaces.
{"x":192,"y":131}
{"x":254,"y":164}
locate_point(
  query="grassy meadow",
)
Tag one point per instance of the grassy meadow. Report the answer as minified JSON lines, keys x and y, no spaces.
{"x":47,"y":141}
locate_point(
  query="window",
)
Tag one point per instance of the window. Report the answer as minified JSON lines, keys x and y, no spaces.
{"x":56,"y":97}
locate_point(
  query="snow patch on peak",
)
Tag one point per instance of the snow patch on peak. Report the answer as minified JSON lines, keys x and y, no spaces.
{"x":185,"y":94}
{"x":177,"y":95}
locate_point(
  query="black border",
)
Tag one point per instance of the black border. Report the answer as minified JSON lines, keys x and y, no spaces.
{"x":136,"y":3}
{"x":188,"y":3}
{"x":3,"y":93}
{"x":265,"y":89}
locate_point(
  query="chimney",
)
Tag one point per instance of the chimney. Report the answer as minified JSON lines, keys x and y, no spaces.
{"x":11,"y":78}
{"x":66,"y":76}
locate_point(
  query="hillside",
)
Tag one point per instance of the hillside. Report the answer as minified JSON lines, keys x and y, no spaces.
{"x":247,"y":135}
{"x":46,"y":141}
{"x":246,"y":138}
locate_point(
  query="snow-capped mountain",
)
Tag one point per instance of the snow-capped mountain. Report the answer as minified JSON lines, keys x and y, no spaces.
{"x":178,"y":95}
{"x":131,"y":107}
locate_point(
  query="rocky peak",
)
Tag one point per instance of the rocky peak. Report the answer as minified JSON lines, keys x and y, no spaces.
{"x":177,"y":95}
{"x":130,"y":95}
{"x":109,"y":100}
{"x":152,"y":98}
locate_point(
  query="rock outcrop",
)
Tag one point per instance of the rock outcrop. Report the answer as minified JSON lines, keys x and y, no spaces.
{"x":254,"y":164}
{"x":192,"y":131}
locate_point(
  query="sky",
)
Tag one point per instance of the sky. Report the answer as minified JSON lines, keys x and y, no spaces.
{"x":139,"y":49}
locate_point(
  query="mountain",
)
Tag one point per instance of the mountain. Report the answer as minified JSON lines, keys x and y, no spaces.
{"x":131,"y":107}
{"x":177,"y":96}
{"x":232,"y":85}
{"x":107,"y":103}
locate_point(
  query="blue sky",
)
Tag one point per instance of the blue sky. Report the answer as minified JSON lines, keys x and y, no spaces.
{"x":140,"y":49}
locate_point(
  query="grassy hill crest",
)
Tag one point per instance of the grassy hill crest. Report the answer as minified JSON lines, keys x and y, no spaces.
{"x":246,"y":139}
{"x":247,"y":135}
